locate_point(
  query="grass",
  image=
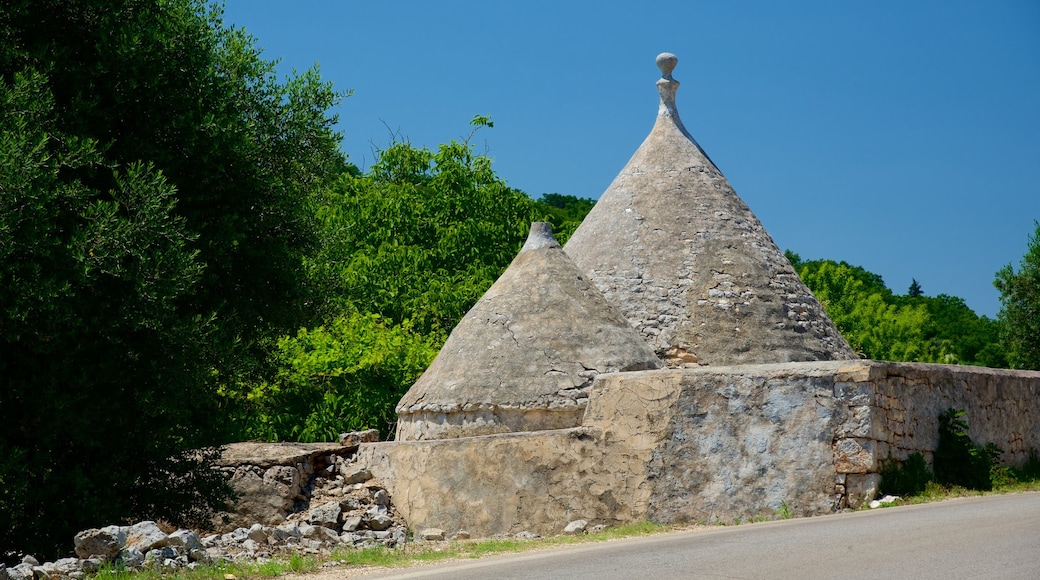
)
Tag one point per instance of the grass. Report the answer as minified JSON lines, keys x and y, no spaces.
{"x":935,"y":492}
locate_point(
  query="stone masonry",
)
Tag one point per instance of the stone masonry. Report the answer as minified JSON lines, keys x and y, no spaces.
{"x":711,"y":444}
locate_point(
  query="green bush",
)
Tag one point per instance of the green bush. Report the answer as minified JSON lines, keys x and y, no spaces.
{"x":909,"y":477}
{"x":958,"y":459}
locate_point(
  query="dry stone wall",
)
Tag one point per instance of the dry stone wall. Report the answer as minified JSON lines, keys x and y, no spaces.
{"x":891,"y":410}
{"x":712,"y":444}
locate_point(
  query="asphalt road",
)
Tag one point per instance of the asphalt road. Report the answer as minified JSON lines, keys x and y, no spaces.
{"x":987,"y":537}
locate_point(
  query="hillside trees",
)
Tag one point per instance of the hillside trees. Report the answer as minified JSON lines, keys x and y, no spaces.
{"x":157,"y":198}
{"x":1019,"y":315}
{"x":882,"y":325}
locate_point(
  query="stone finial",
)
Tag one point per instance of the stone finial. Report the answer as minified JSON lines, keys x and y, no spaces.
{"x":666,"y":61}
{"x":667,"y":85}
{"x":541,"y":236}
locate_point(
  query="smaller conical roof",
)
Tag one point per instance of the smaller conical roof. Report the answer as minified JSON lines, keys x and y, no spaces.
{"x":523,"y":358}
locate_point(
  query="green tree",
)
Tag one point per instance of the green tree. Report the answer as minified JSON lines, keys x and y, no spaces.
{"x":164,"y":82}
{"x":102,"y":402}
{"x":344,"y":376}
{"x":881,"y":325}
{"x":1019,"y":316}
{"x":159,"y":187}
{"x":419,"y":237}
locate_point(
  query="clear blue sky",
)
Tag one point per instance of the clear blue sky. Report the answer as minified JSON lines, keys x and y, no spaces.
{"x":903,"y":137}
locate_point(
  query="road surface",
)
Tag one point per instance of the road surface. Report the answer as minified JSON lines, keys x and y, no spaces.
{"x":984,"y":537}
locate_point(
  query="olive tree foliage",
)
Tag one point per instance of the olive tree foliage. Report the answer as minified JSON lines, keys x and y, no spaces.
{"x":881,"y":325}
{"x":1019,"y":315}
{"x":158,"y":187}
{"x":165,"y":82}
{"x":409,"y":247}
{"x":101,"y":398}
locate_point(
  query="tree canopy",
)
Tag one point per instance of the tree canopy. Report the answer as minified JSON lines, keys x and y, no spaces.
{"x":1019,"y":315}
{"x":157,"y":191}
{"x":885,"y":326}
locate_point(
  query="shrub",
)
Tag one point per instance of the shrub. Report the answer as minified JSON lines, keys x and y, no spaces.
{"x":909,"y":477}
{"x":958,"y":459}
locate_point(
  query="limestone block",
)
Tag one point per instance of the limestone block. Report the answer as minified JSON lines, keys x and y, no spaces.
{"x":145,"y":536}
{"x":857,"y":422}
{"x":187,"y":539}
{"x":431,"y":534}
{"x":861,"y":488}
{"x":102,"y":543}
{"x":326,"y":515}
{"x":854,"y":455}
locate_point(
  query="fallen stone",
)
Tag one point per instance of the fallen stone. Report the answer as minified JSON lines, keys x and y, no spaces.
{"x":351,"y":523}
{"x":380,"y":497}
{"x":326,"y":515}
{"x":883,"y":501}
{"x":101,"y":543}
{"x":597,"y":528}
{"x":257,"y":533}
{"x":145,"y":536}
{"x":379,"y":522}
{"x":30,"y":560}
{"x":461,"y":535}
{"x":353,"y":473}
{"x":432,"y":534}
{"x":525,"y":535}
{"x":576,"y":527}
{"x":132,"y":558}
{"x":187,"y":539}
{"x":22,"y":571}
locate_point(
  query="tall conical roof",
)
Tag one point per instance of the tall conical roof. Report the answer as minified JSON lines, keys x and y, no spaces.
{"x":523,"y":358}
{"x":691,"y":267}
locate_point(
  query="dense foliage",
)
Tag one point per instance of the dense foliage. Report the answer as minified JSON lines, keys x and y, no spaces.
{"x":409,"y":247}
{"x":1019,"y":315}
{"x":882,"y":325}
{"x":157,"y":186}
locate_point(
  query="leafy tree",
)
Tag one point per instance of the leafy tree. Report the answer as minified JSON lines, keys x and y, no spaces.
{"x":102,"y":401}
{"x":164,"y":82}
{"x":158,"y":187}
{"x":421,"y":236}
{"x":344,"y":376}
{"x":1019,"y":316}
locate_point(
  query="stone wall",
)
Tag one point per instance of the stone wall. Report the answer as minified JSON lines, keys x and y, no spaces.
{"x":706,"y":444}
{"x":892,"y":410}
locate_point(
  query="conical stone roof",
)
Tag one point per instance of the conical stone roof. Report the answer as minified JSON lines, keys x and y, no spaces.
{"x":524,"y":357}
{"x":691,"y":267}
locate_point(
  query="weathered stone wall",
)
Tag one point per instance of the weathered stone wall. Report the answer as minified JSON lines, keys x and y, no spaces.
{"x":707,"y":444}
{"x":892,"y":410}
